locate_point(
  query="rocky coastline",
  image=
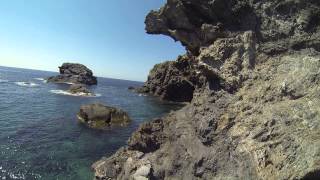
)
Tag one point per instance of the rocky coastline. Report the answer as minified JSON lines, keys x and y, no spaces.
{"x":251,"y":77}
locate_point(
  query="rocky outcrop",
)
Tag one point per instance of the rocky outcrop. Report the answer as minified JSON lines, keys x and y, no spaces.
{"x":254,"y":110}
{"x":223,"y":65}
{"x":74,"y":73}
{"x":99,"y":116}
{"x":198,"y":24}
{"x":172,"y":80}
{"x":80,"y":89}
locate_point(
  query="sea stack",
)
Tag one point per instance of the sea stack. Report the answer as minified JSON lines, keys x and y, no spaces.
{"x":74,"y":73}
{"x":251,"y":75}
{"x":99,"y":116}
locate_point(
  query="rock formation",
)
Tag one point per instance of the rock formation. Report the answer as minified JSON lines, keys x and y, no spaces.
{"x":99,"y":116}
{"x":177,"y":80}
{"x":252,"y":67}
{"x":131,"y":88}
{"x":80,"y":89}
{"x":74,"y":73}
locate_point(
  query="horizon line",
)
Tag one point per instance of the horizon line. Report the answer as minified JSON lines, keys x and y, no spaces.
{"x":58,"y":73}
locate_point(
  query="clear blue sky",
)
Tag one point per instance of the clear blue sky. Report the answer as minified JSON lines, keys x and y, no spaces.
{"x":106,"y":35}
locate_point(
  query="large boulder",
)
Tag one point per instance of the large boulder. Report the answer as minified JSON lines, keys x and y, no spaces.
{"x":99,"y":116}
{"x":74,"y":73}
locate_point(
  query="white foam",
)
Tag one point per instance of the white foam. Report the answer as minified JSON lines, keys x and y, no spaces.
{"x":41,"y":79}
{"x":69,"y":83}
{"x":61,"y":92}
{"x":3,"y":81}
{"x":142,"y":95}
{"x":27,"y":84}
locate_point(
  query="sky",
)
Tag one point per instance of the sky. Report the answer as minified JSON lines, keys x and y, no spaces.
{"x":108,"y":36}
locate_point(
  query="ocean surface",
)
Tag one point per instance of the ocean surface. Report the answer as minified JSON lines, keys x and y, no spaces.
{"x":40,"y":137}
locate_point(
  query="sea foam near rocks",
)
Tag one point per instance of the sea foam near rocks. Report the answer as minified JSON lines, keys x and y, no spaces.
{"x":41,"y":79}
{"x":26,"y":84}
{"x":66,"y":93}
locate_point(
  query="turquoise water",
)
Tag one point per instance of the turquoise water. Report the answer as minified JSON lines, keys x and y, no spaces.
{"x":40,"y":137}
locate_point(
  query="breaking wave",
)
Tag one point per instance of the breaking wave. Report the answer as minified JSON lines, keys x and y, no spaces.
{"x":61,"y":92}
{"x":27,"y":84}
{"x":3,"y":81}
{"x":41,"y":79}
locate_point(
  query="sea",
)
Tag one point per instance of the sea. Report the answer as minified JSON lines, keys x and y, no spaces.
{"x":40,"y":137}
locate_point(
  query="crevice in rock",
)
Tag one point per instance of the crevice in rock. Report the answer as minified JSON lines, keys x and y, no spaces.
{"x":312,"y":175}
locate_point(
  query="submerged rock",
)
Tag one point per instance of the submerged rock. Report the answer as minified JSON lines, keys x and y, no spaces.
{"x":99,"y":116}
{"x":74,"y":73}
{"x":254,"y":107}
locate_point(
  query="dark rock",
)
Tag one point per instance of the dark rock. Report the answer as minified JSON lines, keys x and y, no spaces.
{"x":100,"y":116}
{"x":131,"y":88}
{"x":74,"y":73}
{"x":199,"y":23}
{"x":177,"y":80}
{"x":80,"y":89}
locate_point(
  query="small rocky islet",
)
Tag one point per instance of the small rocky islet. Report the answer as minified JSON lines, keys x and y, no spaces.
{"x":251,"y":77}
{"x":74,"y":73}
{"x":78,"y":76}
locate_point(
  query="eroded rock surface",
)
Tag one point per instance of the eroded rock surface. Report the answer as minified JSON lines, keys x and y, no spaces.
{"x":99,"y":116}
{"x":176,"y":80}
{"x":254,"y":112}
{"x":74,"y":73}
{"x":198,"y":24}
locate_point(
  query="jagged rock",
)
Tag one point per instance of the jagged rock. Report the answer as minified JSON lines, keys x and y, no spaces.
{"x":177,"y":80}
{"x":198,"y":24}
{"x":224,"y":64}
{"x":257,"y":133}
{"x":148,"y":137}
{"x":254,"y":112}
{"x":74,"y":73}
{"x":132,"y":164}
{"x":99,"y":116}
{"x":167,"y":81}
{"x":80,"y":89}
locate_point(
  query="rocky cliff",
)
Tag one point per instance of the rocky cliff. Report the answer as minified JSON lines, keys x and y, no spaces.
{"x":251,"y":75}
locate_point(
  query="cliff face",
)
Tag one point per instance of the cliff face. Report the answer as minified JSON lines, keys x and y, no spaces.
{"x":252,"y":67}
